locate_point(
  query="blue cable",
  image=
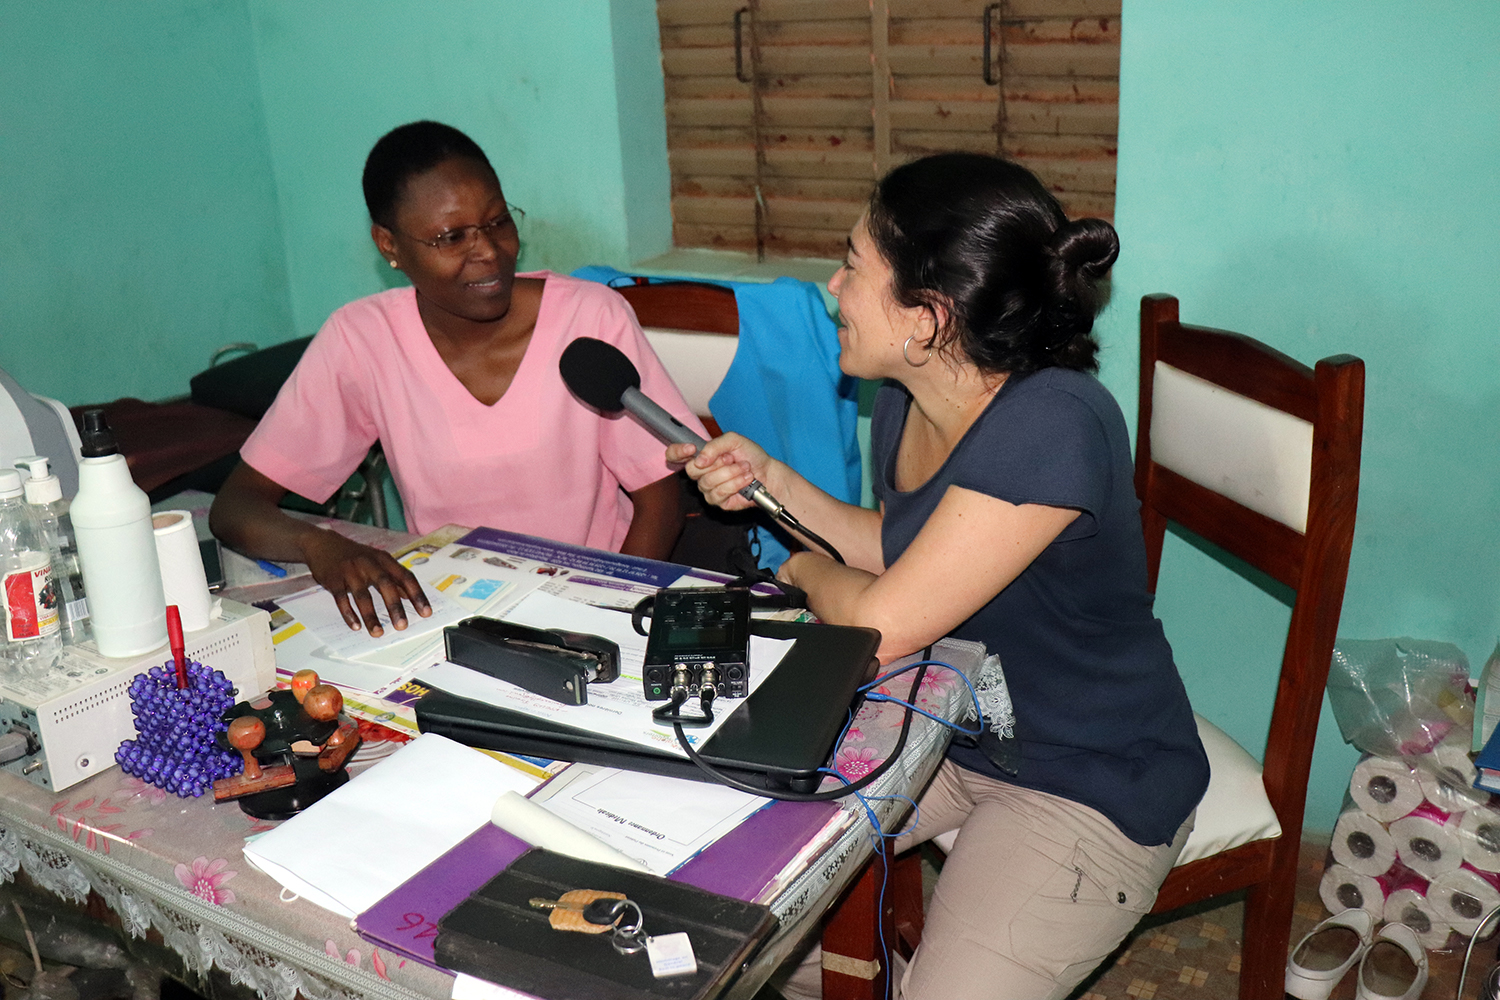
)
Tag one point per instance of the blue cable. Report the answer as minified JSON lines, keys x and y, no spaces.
{"x":978,"y":709}
{"x":921,"y":711}
{"x":877,"y":842}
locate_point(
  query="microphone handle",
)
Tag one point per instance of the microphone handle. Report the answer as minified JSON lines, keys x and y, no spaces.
{"x":658,"y":421}
{"x":673,"y":431}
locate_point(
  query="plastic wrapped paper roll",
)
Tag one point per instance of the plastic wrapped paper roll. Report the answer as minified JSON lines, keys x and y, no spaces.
{"x":1409,"y":905}
{"x":1447,"y":778}
{"x":1462,"y":897}
{"x":1481,"y":832}
{"x":523,"y":818}
{"x":1429,"y":842}
{"x":1342,"y":889}
{"x":1385,"y":789}
{"x":1362,"y":844}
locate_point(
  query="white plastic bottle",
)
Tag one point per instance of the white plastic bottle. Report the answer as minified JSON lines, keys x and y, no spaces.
{"x":117,"y":548}
{"x":32,"y":632}
{"x":44,"y":493}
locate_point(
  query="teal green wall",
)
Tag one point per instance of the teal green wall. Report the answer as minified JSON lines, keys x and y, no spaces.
{"x":1324,"y":178}
{"x":533,"y":83}
{"x":140,"y":229}
{"x":185,"y":173}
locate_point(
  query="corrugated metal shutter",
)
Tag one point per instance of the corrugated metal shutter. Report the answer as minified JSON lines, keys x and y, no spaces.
{"x":775,"y":142}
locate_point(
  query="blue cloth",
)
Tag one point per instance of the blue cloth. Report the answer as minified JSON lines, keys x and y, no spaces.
{"x":784,"y":389}
{"x":1101,"y":715}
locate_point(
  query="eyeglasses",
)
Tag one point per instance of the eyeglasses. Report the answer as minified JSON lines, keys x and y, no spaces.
{"x":462,"y":239}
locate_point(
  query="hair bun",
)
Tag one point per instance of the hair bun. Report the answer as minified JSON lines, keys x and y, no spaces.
{"x":1081,"y":252}
{"x":1088,"y":247}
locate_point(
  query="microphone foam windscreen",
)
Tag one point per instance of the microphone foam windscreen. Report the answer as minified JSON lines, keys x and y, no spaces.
{"x":598,"y":373}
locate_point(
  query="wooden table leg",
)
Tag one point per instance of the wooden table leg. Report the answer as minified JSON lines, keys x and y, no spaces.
{"x":855,"y":965}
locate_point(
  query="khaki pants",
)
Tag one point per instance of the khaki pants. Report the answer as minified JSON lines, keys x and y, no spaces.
{"x":1037,"y":892}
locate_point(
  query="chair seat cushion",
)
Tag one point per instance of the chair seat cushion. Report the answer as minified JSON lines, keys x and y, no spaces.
{"x":1234,"y":810}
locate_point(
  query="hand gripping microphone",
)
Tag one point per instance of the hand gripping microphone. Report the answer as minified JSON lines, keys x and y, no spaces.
{"x":602,"y":376}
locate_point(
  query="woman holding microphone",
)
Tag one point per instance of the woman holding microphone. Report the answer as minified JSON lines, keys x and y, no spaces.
{"x":1007,"y":515}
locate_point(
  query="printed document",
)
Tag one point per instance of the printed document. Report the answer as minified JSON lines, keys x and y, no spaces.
{"x":660,"y":822}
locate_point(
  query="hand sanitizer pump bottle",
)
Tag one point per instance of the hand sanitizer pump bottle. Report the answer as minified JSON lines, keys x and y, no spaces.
{"x":30,"y":635}
{"x":44,"y":493}
{"x":117,"y":548}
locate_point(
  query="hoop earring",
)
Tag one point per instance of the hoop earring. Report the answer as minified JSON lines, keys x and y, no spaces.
{"x":907,"y":345}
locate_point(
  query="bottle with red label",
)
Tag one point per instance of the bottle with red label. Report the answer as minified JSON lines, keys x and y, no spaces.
{"x":31,"y":637}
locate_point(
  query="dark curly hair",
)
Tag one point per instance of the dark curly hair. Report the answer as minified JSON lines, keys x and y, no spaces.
{"x":406,"y":151}
{"x":980,"y":238}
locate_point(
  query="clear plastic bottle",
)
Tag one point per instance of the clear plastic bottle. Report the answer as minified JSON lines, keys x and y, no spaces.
{"x":32,"y":633}
{"x":44,"y":493}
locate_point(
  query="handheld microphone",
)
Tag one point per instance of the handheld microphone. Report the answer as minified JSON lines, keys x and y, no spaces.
{"x":602,"y":376}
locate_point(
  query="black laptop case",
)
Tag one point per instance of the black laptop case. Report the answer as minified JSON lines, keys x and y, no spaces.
{"x":776,"y":739}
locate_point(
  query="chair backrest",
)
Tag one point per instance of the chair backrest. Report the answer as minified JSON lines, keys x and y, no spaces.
{"x":1259,"y":455}
{"x":694,"y":328}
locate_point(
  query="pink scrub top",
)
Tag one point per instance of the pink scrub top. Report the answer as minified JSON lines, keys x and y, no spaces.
{"x":538,"y":461}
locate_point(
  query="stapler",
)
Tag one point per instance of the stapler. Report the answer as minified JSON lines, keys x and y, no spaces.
{"x":554,"y":663}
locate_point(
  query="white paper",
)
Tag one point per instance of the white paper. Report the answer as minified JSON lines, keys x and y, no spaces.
{"x":467,"y":987}
{"x":618,"y":710}
{"x":657,"y":821}
{"x":529,"y":822}
{"x":316,"y":610}
{"x":363,"y":840}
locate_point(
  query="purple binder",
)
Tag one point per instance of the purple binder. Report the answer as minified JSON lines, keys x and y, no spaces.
{"x":740,"y":864}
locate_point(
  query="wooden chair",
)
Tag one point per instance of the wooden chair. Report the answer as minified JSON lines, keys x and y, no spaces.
{"x":694,"y":328}
{"x":1258,"y":455}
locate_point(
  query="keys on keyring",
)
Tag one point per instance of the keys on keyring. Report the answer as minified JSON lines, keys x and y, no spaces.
{"x":587,"y":911}
{"x":590,"y":911}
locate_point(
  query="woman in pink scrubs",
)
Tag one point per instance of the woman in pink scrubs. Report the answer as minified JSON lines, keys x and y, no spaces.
{"x":456,"y":375}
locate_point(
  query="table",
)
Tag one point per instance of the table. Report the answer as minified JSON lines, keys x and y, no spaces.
{"x":175,"y":866}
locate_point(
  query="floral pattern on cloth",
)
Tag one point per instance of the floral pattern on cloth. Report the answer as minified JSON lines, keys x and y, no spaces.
{"x":872,"y":733}
{"x":331,"y":949}
{"x":89,"y":822}
{"x":206,"y":879}
{"x":854,"y":763}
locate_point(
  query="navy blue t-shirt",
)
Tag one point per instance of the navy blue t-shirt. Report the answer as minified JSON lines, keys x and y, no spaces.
{"x":1101,"y":714}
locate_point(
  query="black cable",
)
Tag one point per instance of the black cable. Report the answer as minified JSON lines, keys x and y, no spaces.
{"x":668,"y":712}
{"x":828,"y":796}
{"x":789,"y":519}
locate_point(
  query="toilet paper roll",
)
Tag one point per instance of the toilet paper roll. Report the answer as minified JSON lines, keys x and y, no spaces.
{"x":1385,"y":789}
{"x":1480,"y":829}
{"x":1342,"y":889}
{"x":182,"y":578}
{"x":520,"y":817}
{"x":1428,"y":841}
{"x":1363,"y":844}
{"x":1462,"y":897}
{"x":1447,"y":778}
{"x":1409,"y":905}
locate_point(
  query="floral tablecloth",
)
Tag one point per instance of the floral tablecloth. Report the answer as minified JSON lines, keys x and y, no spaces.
{"x":176,"y":865}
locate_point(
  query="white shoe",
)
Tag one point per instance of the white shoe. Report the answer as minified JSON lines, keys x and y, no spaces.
{"x":1328,"y":951}
{"x":1395,"y":966}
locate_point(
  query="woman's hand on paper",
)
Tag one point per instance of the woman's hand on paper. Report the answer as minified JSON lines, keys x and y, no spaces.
{"x":349,"y":571}
{"x":723,"y":467}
